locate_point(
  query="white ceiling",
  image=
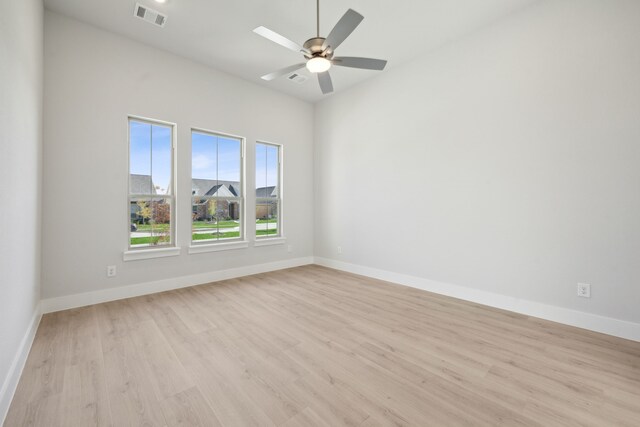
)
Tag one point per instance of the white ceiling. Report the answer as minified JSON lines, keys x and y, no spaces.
{"x":219,"y":32}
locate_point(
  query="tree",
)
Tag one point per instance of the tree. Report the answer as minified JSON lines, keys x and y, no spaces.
{"x":161,"y":212}
{"x":211,"y":209}
{"x":160,"y":222}
{"x":144,"y":210}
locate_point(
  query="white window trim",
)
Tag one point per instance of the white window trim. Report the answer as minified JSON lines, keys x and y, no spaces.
{"x":155,"y":251}
{"x":149,"y":253}
{"x":224,"y":243}
{"x":270,"y":241}
{"x":273,"y":238}
{"x":217,"y":247}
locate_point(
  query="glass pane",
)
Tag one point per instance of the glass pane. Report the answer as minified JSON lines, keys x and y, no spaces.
{"x":161,"y":222}
{"x":215,"y":219}
{"x":229,"y":159}
{"x":261,"y":166}
{"x":204,"y":157}
{"x":204,"y":160}
{"x":266,"y":217}
{"x":161,"y":159}
{"x":139,"y":158}
{"x":272,"y":170}
{"x":216,"y":179}
{"x":266,"y":170}
{"x":150,"y":223}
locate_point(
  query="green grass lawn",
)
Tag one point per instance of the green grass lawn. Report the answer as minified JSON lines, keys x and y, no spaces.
{"x":266,"y":232}
{"x":221,"y":224}
{"x":196,"y":224}
{"x":207,"y":236}
{"x":229,"y":235}
{"x":156,"y":227}
{"x":266,"y":221}
{"x":198,"y":236}
{"x":205,"y":224}
{"x":146,"y":240}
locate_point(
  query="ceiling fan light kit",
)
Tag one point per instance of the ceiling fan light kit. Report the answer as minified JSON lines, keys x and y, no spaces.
{"x":319,"y":51}
{"x":318,"y":64}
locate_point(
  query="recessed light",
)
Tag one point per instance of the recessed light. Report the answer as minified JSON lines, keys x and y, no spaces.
{"x":161,"y":1}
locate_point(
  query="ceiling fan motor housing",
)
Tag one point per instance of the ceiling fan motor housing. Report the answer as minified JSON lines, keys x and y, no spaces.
{"x":314,"y":45}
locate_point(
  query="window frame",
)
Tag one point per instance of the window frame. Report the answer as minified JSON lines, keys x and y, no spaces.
{"x":233,"y":242}
{"x":279,"y":200}
{"x":171,"y":191}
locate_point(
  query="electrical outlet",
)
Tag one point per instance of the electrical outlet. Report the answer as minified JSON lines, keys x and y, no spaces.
{"x":111,"y":271}
{"x":339,"y":250}
{"x":290,"y":248}
{"x":584,"y":290}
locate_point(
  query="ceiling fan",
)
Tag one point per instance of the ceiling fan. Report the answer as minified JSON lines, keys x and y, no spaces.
{"x":319,"y":51}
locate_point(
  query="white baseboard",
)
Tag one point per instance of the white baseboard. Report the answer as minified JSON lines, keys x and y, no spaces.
{"x":15,"y":371}
{"x":580,"y":319}
{"x":88,"y":298}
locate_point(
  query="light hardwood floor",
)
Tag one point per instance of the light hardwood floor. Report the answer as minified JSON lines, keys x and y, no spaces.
{"x":311,"y":346}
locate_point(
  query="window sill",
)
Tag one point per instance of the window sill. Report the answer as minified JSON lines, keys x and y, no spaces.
{"x":216,"y":247}
{"x":270,"y":241}
{"x":137,"y":254}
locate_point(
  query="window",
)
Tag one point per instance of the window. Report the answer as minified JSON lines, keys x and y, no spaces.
{"x":151,"y":184}
{"x":268,"y":190}
{"x":216,"y":187}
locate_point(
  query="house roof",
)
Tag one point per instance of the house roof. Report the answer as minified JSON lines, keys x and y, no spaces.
{"x":141,"y":184}
{"x":267,"y":191}
{"x":199,"y":187}
{"x":221,"y":190}
{"x":205,"y":187}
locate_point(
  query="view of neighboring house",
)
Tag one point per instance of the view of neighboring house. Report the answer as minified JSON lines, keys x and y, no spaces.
{"x":266,"y":208}
{"x":266,"y":192}
{"x":207,"y":209}
{"x":139,"y":184}
{"x":203,"y":210}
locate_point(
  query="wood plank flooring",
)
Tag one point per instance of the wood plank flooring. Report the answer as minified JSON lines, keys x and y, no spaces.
{"x":311,"y":346}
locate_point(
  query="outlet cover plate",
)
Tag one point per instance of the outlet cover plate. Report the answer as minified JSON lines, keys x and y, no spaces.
{"x":584,"y":290}
{"x":111,"y":271}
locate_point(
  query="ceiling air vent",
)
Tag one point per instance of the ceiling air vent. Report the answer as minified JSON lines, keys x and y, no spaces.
{"x":298,"y":78}
{"x":149,"y":15}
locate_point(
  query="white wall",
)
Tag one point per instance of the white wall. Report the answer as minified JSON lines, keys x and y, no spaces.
{"x":20,"y":183}
{"x":507,"y":162}
{"x":93,"y":80}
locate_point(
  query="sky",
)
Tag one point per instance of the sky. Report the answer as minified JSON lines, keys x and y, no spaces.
{"x":151,"y":159}
{"x":266,"y":165}
{"x":213,"y":157}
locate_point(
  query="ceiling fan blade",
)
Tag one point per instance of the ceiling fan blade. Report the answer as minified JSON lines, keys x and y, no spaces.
{"x":282,"y":72}
{"x":281,"y":40}
{"x":326,"y":86}
{"x":345,"y":26}
{"x":355,"y":62}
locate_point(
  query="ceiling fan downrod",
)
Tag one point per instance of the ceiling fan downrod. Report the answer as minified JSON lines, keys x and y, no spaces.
{"x":318,"y":18}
